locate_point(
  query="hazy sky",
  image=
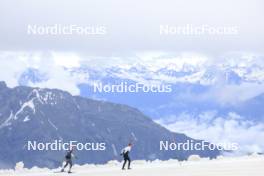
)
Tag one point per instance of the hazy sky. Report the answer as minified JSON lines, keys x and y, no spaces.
{"x":133,"y":36}
{"x":133,"y":26}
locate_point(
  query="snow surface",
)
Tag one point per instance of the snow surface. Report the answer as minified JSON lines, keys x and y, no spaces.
{"x":195,"y":166}
{"x":26,"y":119}
{"x":52,"y":124}
{"x":29,"y":104}
{"x":7,"y":121}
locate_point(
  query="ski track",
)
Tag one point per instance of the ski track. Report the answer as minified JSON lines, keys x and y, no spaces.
{"x":247,"y":166}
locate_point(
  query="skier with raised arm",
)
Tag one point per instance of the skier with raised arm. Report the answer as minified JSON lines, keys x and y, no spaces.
{"x":68,"y":158}
{"x":125,"y":154}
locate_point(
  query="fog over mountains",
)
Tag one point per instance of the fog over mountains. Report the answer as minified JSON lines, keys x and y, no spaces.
{"x":224,"y":93}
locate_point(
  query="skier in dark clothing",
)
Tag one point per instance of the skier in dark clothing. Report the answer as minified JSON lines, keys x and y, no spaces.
{"x":125,"y":154}
{"x":68,"y":158}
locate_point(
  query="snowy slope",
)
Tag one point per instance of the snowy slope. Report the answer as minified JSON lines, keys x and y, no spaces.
{"x":242,"y":166}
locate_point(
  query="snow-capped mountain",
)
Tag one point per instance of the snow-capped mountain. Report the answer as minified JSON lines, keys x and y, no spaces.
{"x":173,"y":71}
{"x":45,"y":115}
{"x":231,"y":70}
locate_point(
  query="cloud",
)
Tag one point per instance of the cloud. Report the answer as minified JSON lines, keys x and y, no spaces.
{"x":234,"y":94}
{"x":11,"y":68}
{"x":147,"y":67}
{"x":140,"y":34}
{"x":230,"y":129}
{"x":67,"y":59}
{"x":227,"y":94}
{"x":53,"y":65}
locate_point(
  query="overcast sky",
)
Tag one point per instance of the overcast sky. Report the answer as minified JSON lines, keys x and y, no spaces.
{"x":132,"y":26}
{"x":133,"y":36}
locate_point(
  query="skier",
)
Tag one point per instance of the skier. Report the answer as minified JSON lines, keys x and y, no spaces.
{"x":125,"y":154}
{"x":68,"y":158}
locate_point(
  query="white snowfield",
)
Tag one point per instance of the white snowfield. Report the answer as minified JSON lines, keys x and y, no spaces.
{"x":222,"y":166}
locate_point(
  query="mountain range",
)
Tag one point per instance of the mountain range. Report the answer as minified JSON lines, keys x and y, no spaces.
{"x":228,"y":91}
